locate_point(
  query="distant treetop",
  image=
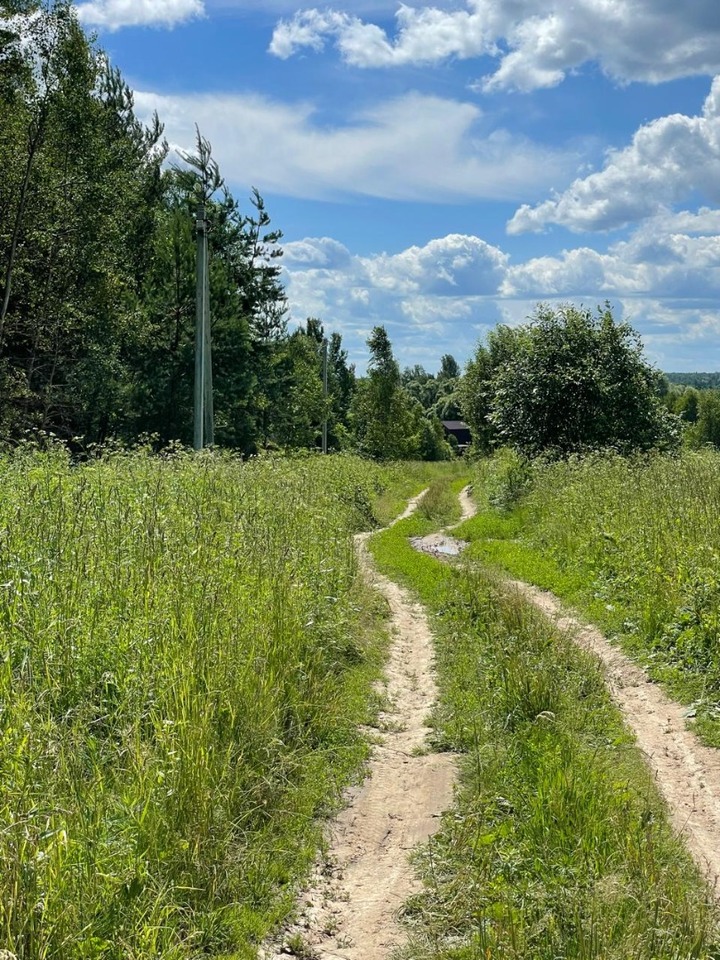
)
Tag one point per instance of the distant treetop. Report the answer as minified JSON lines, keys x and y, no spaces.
{"x":701,"y":381}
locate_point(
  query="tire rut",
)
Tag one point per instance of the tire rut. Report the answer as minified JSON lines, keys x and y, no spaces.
{"x":687,"y":772}
{"x":350,"y":909}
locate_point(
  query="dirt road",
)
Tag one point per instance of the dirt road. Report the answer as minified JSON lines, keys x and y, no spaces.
{"x":687,"y":773}
{"x":350,"y":910}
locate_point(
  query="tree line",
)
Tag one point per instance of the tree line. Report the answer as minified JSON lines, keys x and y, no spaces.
{"x":97,"y":266}
{"x":97,"y":303}
{"x":97,"y":280}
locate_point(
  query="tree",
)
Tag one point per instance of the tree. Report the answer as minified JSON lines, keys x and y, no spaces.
{"x":476,"y":389}
{"x":449,"y":369}
{"x":386,"y":421}
{"x":433,"y":445}
{"x":566,"y":382}
{"x":687,"y":405}
{"x":76,"y":211}
{"x":251,"y":366}
{"x":421,"y":385}
{"x":299,"y":417}
{"x":707,"y":428}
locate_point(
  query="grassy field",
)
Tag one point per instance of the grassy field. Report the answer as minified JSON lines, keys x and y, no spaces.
{"x":635,"y":544}
{"x":559,"y":846}
{"x":185,"y":655}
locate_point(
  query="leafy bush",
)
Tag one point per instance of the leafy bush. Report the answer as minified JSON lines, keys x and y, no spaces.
{"x":566,"y":382}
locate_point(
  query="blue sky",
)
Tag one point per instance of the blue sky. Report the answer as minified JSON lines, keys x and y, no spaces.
{"x":441,"y":168}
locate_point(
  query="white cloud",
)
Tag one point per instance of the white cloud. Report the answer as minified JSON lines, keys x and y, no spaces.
{"x":665,"y":278}
{"x":414,"y":147}
{"x":669,"y":160}
{"x":425,"y":35}
{"x":677,"y":335}
{"x":287,"y":7}
{"x":453,"y":266}
{"x":537,"y":41}
{"x":656,"y":261}
{"x":114,"y":14}
{"x":317,"y":253}
{"x":427,"y":296}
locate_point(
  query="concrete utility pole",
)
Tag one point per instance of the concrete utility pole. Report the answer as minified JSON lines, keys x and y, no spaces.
{"x":325,"y":396}
{"x":203,"y":419}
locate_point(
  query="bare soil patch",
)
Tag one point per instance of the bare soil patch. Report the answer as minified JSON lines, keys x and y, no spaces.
{"x":350,"y":909}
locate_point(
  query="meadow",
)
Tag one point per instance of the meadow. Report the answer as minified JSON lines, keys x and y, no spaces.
{"x":186,"y":652}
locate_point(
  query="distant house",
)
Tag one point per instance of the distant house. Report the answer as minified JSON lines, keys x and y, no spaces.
{"x":460,"y":430}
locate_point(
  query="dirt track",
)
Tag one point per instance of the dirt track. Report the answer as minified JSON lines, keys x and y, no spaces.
{"x":350,"y":910}
{"x":687,"y":773}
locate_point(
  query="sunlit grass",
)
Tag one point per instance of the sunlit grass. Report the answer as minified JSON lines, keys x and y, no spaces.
{"x":185,"y":655}
{"x":636,"y":545}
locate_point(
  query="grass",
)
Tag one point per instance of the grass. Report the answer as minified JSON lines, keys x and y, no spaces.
{"x":634,"y":545}
{"x":185,"y":656}
{"x":405,"y":480}
{"x":559,"y":846}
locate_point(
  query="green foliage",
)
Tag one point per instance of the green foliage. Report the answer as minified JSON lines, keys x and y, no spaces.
{"x":687,"y":405}
{"x":568,"y":381}
{"x":433,"y":445}
{"x":76,"y":210}
{"x":186,"y":656}
{"x":634,"y":544}
{"x":699,"y":381}
{"x":97,"y":267}
{"x":508,"y":477}
{"x":438,"y":395}
{"x":705,"y":429}
{"x":386,"y":422}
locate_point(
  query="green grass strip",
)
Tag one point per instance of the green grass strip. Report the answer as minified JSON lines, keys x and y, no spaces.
{"x":559,"y":845}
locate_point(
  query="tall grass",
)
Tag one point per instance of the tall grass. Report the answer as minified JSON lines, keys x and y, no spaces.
{"x":644,"y":536}
{"x":183,"y":664}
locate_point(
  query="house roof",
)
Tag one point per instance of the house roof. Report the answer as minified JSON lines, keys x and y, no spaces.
{"x":455,"y":425}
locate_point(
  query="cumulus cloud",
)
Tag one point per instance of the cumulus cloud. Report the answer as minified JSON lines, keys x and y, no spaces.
{"x":322,"y":253}
{"x":665,"y":278}
{"x":454,"y":266}
{"x":656,"y":261}
{"x":414,"y":147}
{"x":425,"y":35}
{"x":427,"y":295}
{"x":668,"y":160}
{"x":114,"y":14}
{"x":536,"y":42}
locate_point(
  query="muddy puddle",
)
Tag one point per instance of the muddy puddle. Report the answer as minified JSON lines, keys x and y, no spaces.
{"x":439,"y":545}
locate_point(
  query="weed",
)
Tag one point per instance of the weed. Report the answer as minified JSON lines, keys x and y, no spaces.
{"x":185,"y":656}
{"x":633,"y":543}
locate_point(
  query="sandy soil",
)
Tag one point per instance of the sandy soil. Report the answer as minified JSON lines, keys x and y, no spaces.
{"x":687,"y":773}
{"x":468,"y":508}
{"x":350,"y":909}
